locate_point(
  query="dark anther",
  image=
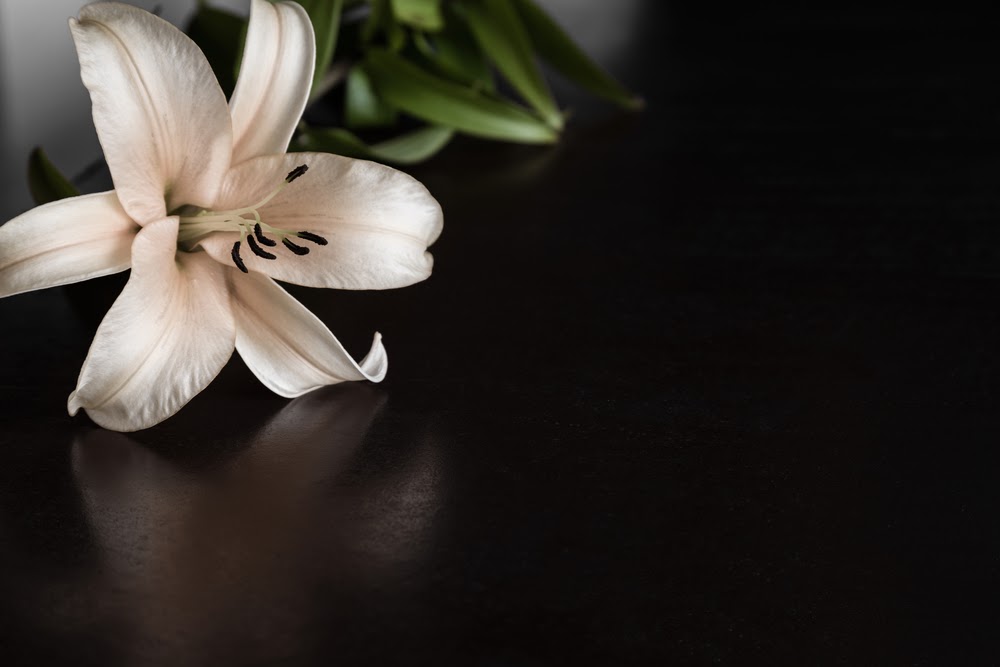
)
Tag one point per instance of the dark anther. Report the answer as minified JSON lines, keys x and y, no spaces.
{"x":237,"y":260}
{"x":257,"y":250}
{"x":297,"y":249}
{"x":315,"y":238}
{"x":295,"y":173}
{"x":263,"y":240}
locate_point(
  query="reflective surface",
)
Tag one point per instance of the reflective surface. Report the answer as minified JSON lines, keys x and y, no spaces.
{"x":712,"y":384}
{"x":236,"y":559}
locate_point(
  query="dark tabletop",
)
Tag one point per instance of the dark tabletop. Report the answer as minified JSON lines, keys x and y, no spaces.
{"x":711,"y":384}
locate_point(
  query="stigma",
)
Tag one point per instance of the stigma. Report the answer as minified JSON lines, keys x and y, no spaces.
{"x":254,"y":232}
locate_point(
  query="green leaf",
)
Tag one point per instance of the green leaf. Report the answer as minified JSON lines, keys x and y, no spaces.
{"x":325,"y":17}
{"x":220,"y":36}
{"x":456,"y":56}
{"x":419,"y":14}
{"x":409,"y":148}
{"x":45,"y":181}
{"x":557,"y":49}
{"x":374,"y":21}
{"x":382,"y":20}
{"x":498,"y":29}
{"x":441,"y":102}
{"x":362,"y":107}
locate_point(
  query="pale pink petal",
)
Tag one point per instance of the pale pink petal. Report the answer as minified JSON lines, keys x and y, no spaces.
{"x":287,"y":347}
{"x":166,"y":337}
{"x":65,"y":242}
{"x":274,"y":81}
{"x":159,"y":111}
{"x":378,"y":221}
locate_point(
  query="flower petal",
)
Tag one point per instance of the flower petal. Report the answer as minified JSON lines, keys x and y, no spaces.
{"x":378,"y":221}
{"x":160,"y":114}
{"x":166,"y":337}
{"x":275,"y":77}
{"x":287,"y":347}
{"x":64,"y":242}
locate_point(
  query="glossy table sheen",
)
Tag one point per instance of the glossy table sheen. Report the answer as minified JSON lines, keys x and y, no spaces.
{"x":712,"y":384}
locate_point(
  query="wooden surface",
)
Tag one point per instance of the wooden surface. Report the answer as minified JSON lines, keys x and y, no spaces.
{"x":713,"y":384}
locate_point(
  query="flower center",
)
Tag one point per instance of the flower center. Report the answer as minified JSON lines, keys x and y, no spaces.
{"x":253,"y":231}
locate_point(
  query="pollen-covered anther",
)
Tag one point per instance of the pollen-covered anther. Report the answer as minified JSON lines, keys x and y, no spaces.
{"x":295,"y":173}
{"x":237,"y":260}
{"x":257,"y":250}
{"x":263,"y":240}
{"x":315,"y":238}
{"x":297,"y":249}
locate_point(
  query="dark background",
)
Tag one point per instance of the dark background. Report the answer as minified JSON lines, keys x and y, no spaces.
{"x":711,"y":384}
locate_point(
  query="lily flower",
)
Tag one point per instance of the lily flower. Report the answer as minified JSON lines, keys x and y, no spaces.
{"x":208,"y":210}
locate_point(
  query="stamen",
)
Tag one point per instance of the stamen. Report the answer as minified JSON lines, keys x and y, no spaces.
{"x":297,"y":249}
{"x":295,"y":173}
{"x":257,"y":250}
{"x":315,"y":238}
{"x":263,"y":240}
{"x":237,"y":260}
{"x":253,"y":231}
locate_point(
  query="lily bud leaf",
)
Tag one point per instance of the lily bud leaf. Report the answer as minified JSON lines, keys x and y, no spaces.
{"x":441,"y":102}
{"x":419,"y":14}
{"x":498,"y":29}
{"x":46,"y":182}
{"x":409,"y":148}
{"x":562,"y":53}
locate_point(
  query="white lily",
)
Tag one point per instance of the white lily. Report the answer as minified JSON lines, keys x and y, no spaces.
{"x":200,"y":187}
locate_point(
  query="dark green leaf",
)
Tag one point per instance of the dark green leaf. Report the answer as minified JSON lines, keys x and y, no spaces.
{"x":498,"y":29}
{"x":419,"y":14}
{"x":456,"y":56}
{"x":409,"y":148}
{"x":441,"y":102}
{"x":557,"y":49}
{"x":325,"y":17}
{"x":362,"y":107}
{"x":220,"y":36}
{"x":374,"y":21}
{"x":382,"y":21}
{"x":46,"y":183}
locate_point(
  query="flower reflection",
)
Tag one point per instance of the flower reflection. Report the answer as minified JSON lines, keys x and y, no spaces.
{"x":227,"y":561}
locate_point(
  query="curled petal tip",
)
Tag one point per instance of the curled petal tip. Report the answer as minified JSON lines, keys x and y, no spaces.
{"x":72,"y":405}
